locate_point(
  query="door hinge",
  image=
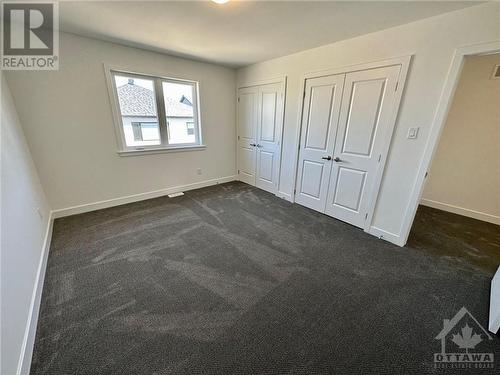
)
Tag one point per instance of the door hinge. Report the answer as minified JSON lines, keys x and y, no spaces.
{"x":397,"y":84}
{"x":426,"y":174}
{"x":294,"y":191}
{"x":379,"y":158}
{"x":238,"y":138}
{"x":238,"y":99}
{"x":366,"y":216}
{"x":303,"y":97}
{"x":238,"y":171}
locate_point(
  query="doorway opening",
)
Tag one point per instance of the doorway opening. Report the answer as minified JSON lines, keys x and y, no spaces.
{"x":459,"y":211}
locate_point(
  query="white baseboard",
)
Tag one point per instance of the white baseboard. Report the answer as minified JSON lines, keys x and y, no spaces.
{"x":137,"y":197}
{"x":387,"y":236}
{"x":461,"y":211}
{"x":23,"y":367}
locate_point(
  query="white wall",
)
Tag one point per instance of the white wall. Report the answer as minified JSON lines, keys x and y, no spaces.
{"x":465,"y":173}
{"x":432,"y":42}
{"x":68,"y":123}
{"x":23,"y":235}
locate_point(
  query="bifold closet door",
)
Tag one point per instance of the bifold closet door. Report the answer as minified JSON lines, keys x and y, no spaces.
{"x":260,"y":122}
{"x":319,"y":126}
{"x":247,"y":134}
{"x":269,"y":126}
{"x":364,"y":127}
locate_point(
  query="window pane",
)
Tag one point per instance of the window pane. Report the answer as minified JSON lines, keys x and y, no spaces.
{"x":145,"y":131}
{"x":179,"y":110}
{"x":138,"y":110}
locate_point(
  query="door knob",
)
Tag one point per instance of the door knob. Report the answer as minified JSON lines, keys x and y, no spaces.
{"x":327,"y":157}
{"x":337,"y":159}
{"x":253,"y":144}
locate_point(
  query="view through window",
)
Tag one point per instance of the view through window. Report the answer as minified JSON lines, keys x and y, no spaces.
{"x":179,"y":111}
{"x":137,"y":108}
{"x":141,"y":110}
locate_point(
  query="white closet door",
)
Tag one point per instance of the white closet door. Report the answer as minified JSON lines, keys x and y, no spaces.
{"x":247,"y":134}
{"x":319,"y":126}
{"x":365,"y":124}
{"x":269,"y":125}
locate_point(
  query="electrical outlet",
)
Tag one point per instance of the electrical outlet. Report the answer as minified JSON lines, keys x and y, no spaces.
{"x":412,"y":133}
{"x":198,"y":171}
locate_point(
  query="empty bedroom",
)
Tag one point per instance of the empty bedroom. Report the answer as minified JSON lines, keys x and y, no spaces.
{"x":250,"y":187}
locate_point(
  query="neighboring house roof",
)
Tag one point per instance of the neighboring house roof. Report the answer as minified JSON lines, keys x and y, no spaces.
{"x":139,"y":101}
{"x":178,"y":109}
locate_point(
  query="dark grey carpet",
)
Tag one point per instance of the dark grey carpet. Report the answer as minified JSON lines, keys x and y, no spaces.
{"x":232,"y":280}
{"x":460,"y":238}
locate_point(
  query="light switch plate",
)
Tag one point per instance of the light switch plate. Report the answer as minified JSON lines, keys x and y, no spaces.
{"x":412,"y":133}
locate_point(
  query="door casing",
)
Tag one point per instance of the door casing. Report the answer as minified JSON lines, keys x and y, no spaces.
{"x":436,"y":129}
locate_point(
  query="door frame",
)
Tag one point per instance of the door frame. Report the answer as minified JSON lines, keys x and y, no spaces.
{"x":404,"y":62}
{"x":283,"y":81}
{"x":437,"y":126}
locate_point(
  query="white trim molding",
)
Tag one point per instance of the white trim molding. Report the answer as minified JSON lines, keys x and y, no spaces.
{"x":266,"y":81}
{"x":461,"y":211}
{"x":161,"y":150}
{"x":437,"y":126}
{"x":23,"y":367}
{"x":386,"y":236}
{"x":138,"y":197}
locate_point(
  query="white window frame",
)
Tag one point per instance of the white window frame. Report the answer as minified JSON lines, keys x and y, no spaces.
{"x":125,"y":150}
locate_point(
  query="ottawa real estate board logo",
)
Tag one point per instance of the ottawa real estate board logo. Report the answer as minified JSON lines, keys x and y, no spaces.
{"x":30,"y":35}
{"x":464,"y":344}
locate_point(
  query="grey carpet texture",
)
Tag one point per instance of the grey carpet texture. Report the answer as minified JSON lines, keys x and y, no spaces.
{"x":230,"y":279}
{"x":462,"y":238}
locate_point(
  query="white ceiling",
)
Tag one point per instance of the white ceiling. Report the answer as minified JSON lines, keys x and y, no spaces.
{"x":240,"y":32}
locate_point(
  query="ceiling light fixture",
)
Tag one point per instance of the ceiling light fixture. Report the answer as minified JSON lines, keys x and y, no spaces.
{"x":220,"y":1}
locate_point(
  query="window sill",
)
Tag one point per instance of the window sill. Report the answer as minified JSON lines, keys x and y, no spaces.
{"x":161,"y":150}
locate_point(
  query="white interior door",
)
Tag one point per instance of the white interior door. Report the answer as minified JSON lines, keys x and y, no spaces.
{"x":364,"y":127}
{"x":319,"y":126}
{"x":269,"y":127}
{"x":247,"y":134}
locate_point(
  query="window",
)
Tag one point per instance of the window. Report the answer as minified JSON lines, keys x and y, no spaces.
{"x":146,"y":131}
{"x":155,"y":113}
{"x":190,"y":128}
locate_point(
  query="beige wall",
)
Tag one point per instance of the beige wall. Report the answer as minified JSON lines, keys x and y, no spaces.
{"x":66,"y":115}
{"x":432,"y":42}
{"x":465,"y":173}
